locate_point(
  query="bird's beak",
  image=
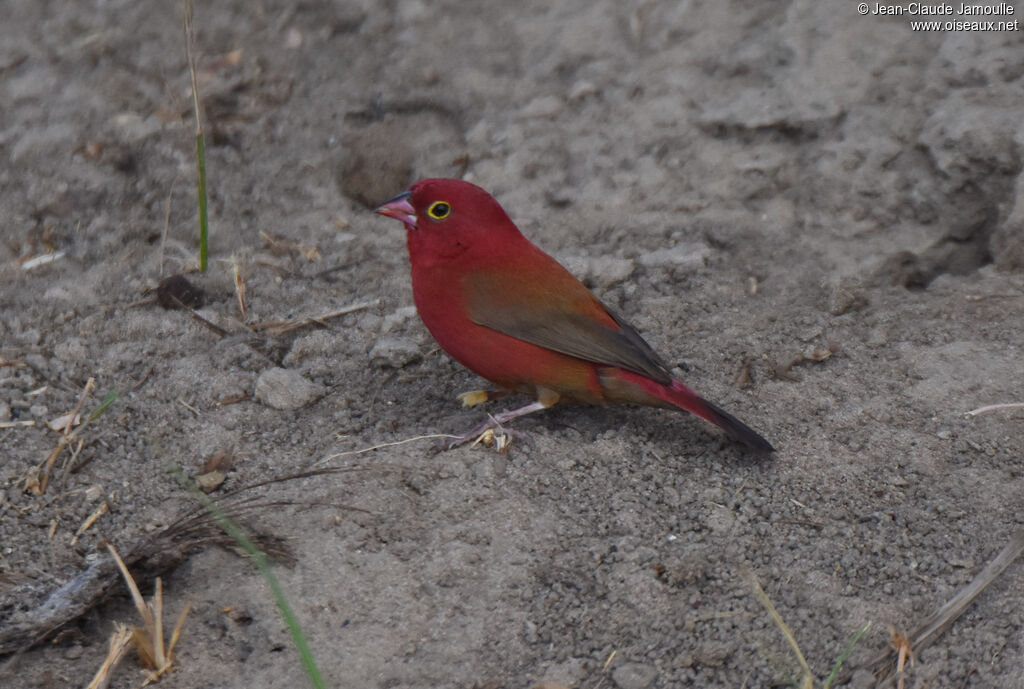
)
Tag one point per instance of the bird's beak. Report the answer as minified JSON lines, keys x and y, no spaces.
{"x":399,"y":208}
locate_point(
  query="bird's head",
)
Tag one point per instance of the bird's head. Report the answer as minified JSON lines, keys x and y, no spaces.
{"x":447,"y":217}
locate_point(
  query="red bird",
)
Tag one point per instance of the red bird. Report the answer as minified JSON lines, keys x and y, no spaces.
{"x":509,"y":312}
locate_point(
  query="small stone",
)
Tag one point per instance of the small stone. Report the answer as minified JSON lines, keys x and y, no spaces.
{"x":222,"y":460}
{"x":376,"y":163}
{"x":544,"y":106}
{"x":177,"y":291}
{"x":280,"y":388}
{"x":210,"y":481}
{"x":634,"y":675}
{"x":845,"y":295}
{"x":292,"y":38}
{"x":60,"y":423}
{"x":131,"y":127}
{"x":713,"y":654}
{"x":318,"y":344}
{"x":580,"y":90}
{"x":686,"y":256}
{"x":569,"y":673}
{"x":395,"y":352}
{"x":877,"y":337}
{"x":397,"y":317}
{"x":74,"y":652}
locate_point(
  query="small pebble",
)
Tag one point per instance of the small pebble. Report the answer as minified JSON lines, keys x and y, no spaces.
{"x":395,"y":352}
{"x":690,"y":256}
{"x":634,"y":676}
{"x":544,"y":106}
{"x":281,"y":388}
{"x":580,"y":90}
{"x":176,"y":290}
{"x":844,"y":295}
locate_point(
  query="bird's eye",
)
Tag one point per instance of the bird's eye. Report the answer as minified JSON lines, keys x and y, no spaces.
{"x":439,"y":210}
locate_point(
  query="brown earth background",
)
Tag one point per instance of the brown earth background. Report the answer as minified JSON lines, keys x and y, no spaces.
{"x":750,"y":183}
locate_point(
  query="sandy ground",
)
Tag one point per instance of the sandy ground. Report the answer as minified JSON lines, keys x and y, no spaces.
{"x":748,"y":183}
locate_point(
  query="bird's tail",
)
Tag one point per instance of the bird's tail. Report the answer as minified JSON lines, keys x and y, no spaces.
{"x":679,"y":396}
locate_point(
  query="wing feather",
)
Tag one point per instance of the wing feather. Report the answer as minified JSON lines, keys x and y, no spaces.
{"x":564,"y":317}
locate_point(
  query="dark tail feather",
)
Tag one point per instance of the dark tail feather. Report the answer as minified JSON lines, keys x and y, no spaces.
{"x":685,"y":398}
{"x":736,"y":429}
{"x":625,"y":386}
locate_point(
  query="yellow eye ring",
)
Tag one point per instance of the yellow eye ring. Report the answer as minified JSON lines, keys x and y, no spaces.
{"x":439,"y":210}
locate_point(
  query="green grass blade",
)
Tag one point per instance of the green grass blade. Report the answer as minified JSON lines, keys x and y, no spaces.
{"x":201,"y":192}
{"x":190,"y":38}
{"x":260,"y":560}
{"x":844,"y":655}
{"x":107,"y":401}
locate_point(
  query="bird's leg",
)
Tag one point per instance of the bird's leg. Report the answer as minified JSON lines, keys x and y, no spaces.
{"x":475,"y":397}
{"x":546,"y":398}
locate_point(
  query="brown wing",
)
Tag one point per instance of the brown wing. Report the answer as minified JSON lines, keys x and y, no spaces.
{"x":558,"y":312}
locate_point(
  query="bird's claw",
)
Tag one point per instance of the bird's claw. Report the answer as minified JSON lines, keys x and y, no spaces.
{"x":499,"y":440}
{"x":490,"y":434}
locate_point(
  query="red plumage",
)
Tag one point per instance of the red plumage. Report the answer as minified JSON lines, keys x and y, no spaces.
{"x":512,"y":314}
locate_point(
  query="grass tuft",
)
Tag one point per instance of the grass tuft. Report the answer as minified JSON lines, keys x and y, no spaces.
{"x":263,"y":565}
{"x":156,"y":656}
{"x":807,"y":679}
{"x":834,"y":675}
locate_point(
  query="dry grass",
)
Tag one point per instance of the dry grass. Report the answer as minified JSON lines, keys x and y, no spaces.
{"x":239,"y":280}
{"x":119,"y":642}
{"x":156,"y":658}
{"x":37,"y":480}
{"x":893,"y":660}
{"x":282,"y":327}
{"x":806,"y":680}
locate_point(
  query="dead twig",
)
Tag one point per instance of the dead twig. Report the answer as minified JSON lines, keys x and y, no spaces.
{"x":239,"y":287}
{"x":119,"y":641}
{"x":993,"y":407}
{"x":66,"y":437}
{"x":936,"y":623}
{"x":17,"y":424}
{"x":90,"y":520}
{"x":282,"y":327}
